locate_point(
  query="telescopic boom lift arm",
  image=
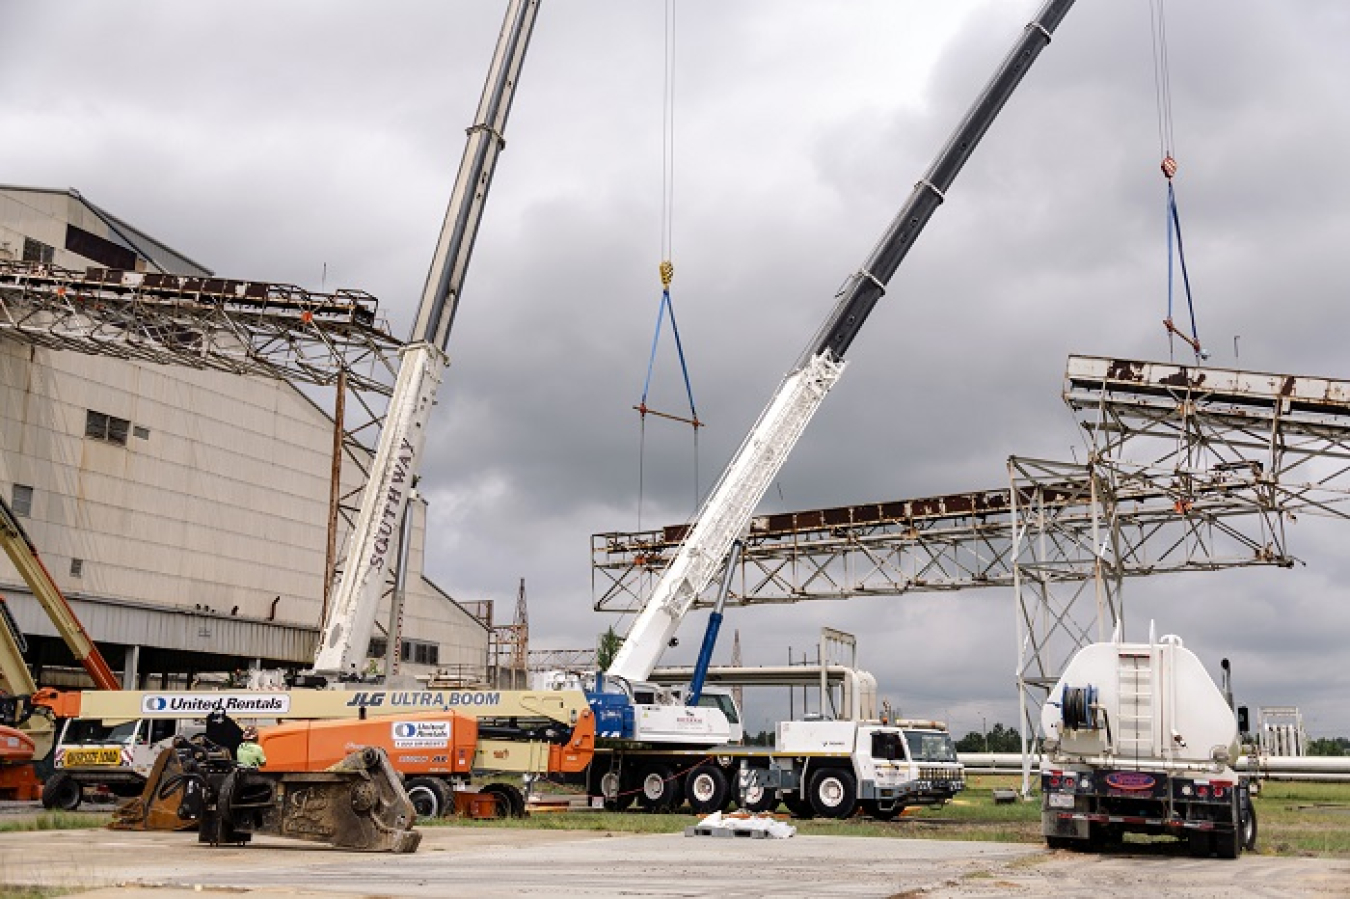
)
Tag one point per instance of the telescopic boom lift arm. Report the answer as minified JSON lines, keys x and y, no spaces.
{"x":727,"y":510}
{"x":351,"y":618}
{"x":24,"y":555}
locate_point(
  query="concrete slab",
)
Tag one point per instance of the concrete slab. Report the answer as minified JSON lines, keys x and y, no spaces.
{"x":494,"y":864}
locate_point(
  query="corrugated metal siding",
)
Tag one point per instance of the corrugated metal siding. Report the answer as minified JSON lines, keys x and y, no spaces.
{"x":139,"y":625}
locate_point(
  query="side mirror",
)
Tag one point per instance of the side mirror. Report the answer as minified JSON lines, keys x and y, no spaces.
{"x":1244,"y":721}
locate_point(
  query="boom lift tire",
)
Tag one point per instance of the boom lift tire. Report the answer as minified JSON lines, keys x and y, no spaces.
{"x":429,"y":796}
{"x":707,"y":789}
{"x":62,"y":792}
{"x":510,"y":801}
{"x":660,"y":789}
{"x":834,"y":793}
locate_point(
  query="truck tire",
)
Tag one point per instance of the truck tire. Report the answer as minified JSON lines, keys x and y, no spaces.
{"x":880,"y":811}
{"x":609,"y":785}
{"x":1228,"y":843}
{"x":798,"y":806}
{"x":1249,"y":827}
{"x":659,"y":789}
{"x":429,"y":796}
{"x":758,"y":799}
{"x":63,"y":792}
{"x":707,"y":789}
{"x":834,"y":793}
{"x":1199,"y":843}
{"x":510,"y":801}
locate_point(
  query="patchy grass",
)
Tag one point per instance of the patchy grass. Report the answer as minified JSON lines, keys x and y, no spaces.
{"x":54,"y":821}
{"x":1294,"y":819}
{"x":18,"y":891}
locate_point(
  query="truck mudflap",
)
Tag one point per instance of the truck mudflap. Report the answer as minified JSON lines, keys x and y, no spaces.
{"x":358,"y":804}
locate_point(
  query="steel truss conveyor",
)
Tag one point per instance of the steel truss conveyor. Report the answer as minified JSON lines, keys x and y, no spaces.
{"x":1188,"y":469}
{"x":276,"y":331}
{"x":241,"y":327}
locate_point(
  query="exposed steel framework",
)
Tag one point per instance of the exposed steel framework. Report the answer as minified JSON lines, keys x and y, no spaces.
{"x":241,"y":327}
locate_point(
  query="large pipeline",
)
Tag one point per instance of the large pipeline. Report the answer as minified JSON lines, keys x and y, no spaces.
{"x":1319,"y":769}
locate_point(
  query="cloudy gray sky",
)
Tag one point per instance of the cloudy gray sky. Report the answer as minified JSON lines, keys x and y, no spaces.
{"x":278,"y":140}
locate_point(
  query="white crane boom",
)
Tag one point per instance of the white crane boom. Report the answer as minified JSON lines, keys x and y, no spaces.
{"x":726,"y":513}
{"x":345,"y":636}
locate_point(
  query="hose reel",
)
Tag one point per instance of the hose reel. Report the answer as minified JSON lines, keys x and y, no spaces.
{"x":1076,"y":708}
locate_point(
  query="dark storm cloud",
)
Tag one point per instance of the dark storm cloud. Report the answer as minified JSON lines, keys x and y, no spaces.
{"x":272,"y":140}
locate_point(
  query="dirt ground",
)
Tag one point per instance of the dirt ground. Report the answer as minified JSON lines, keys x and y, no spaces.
{"x":493,"y":863}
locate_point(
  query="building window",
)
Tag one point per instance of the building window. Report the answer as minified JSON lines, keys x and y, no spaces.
{"x":99,"y":249}
{"x":77,"y":567}
{"x":106,"y":427}
{"x":140,"y":433}
{"x":22,"y":503}
{"x":419,"y":652}
{"x":36,"y":251}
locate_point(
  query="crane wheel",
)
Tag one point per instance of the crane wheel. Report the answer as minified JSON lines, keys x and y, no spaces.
{"x":834,"y":793}
{"x":707,"y":789}
{"x":660,"y":789}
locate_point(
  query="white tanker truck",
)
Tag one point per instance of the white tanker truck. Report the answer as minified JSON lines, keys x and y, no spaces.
{"x":1138,"y":739}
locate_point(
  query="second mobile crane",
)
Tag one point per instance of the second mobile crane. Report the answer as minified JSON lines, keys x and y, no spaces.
{"x":621,"y":698}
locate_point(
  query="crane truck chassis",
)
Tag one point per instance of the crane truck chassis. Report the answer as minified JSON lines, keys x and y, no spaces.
{"x":1138,"y":739}
{"x":828,"y":769}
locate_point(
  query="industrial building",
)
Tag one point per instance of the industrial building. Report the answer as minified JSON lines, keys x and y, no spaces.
{"x":185,"y":513}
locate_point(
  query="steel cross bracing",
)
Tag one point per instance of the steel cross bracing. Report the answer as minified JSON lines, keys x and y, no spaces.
{"x":241,"y":327}
{"x":1187,"y":477}
{"x":1189,"y":469}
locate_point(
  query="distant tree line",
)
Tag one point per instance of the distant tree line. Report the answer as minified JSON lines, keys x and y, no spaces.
{"x":997,"y":739}
{"x":1329,"y":746}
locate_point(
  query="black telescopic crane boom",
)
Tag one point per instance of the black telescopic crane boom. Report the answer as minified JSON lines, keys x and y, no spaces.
{"x":440,"y":297}
{"x":866,"y":286}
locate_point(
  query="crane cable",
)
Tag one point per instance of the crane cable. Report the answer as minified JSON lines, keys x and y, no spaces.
{"x":1162,"y":86}
{"x":666,"y":270}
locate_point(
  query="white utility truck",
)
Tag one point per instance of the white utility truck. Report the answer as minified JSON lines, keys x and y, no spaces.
{"x":1138,"y":739}
{"x":831,"y":768}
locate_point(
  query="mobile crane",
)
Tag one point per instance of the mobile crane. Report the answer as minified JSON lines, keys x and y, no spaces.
{"x":621,"y":698}
{"x":345,"y":635}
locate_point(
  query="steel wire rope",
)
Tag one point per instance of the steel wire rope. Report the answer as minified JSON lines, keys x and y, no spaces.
{"x":667,"y":270}
{"x":1162,"y":91}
